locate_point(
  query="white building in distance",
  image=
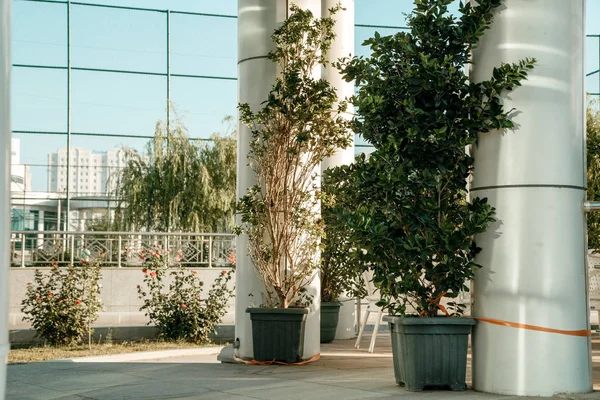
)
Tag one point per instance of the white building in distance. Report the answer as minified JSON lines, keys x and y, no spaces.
{"x":91,"y":173}
{"x":20,"y":176}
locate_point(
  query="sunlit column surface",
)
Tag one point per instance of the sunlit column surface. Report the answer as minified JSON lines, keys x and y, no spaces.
{"x":343,"y":46}
{"x":534,"y":268}
{"x":4,"y":184}
{"x":257,"y":19}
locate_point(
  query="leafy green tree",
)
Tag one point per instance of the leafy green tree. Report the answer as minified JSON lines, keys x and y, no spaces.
{"x":180,"y":184}
{"x":410,"y":219}
{"x":296,"y":128}
{"x":340,"y":272}
{"x":593,"y":174}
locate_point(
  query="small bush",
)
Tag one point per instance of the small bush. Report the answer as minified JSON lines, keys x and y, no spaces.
{"x":62,"y":303}
{"x":176,"y":305}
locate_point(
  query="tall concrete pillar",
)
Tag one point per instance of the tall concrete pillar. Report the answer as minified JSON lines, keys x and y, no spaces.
{"x":4,"y":185}
{"x":343,"y":46}
{"x":257,"y":19}
{"x":531,"y":293}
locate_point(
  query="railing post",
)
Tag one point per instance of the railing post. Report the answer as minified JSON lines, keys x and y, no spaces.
{"x":358,"y":315}
{"x":210,"y":245}
{"x":120,"y":252}
{"x":72,"y":248}
{"x":22,"y":250}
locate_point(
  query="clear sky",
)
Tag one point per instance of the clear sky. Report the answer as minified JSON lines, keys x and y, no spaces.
{"x":136,"y":40}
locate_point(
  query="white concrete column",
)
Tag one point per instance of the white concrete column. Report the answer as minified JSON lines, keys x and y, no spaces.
{"x":257,"y":19}
{"x":312,"y":329}
{"x":343,"y":46}
{"x":534,"y":268}
{"x":4,"y":185}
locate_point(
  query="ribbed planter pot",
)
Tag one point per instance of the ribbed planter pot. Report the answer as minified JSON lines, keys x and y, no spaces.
{"x":278,"y":333}
{"x":330,"y":314}
{"x":430,"y":352}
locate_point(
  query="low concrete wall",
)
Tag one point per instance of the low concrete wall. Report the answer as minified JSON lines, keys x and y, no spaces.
{"x":121,"y":302}
{"x":118,"y":293}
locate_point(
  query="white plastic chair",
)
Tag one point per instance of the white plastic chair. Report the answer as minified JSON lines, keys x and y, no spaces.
{"x":373,"y":297}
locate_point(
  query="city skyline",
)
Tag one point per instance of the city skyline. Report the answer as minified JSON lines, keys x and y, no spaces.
{"x":125,"y":104}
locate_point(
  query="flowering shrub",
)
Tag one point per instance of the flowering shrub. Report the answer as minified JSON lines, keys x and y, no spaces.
{"x":173,"y":298}
{"x":62,"y":303}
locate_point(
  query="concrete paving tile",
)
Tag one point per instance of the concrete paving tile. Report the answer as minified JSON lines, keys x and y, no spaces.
{"x":285,"y":369}
{"x":128,"y":368}
{"x":217,"y":396}
{"x":179,"y":372}
{"x":23,"y":391}
{"x":39,"y":371}
{"x":301,"y":390}
{"x":85,"y":380}
{"x":242,"y":384}
{"x":381,"y":383}
{"x":145,"y":391}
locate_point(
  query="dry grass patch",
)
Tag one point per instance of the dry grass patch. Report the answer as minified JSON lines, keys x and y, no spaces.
{"x":40,"y":353}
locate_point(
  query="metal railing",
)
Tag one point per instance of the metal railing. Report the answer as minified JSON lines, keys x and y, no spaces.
{"x":119,"y":249}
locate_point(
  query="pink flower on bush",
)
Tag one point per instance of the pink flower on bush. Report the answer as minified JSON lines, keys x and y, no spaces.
{"x":153,"y":274}
{"x":223,"y":272}
{"x":145,"y":271}
{"x":78,"y":302}
{"x":183,"y":306}
{"x":49,"y":294}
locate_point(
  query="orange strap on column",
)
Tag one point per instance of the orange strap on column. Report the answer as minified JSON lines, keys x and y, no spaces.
{"x":254,"y":362}
{"x":581,"y":332}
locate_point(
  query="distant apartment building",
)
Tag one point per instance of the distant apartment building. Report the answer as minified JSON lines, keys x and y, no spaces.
{"x":91,"y":173}
{"x":20,"y":176}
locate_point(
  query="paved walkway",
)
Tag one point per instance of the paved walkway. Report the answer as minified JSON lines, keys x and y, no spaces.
{"x":341,"y":373}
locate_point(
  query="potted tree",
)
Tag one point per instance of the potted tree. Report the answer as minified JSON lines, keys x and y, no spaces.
{"x":292,"y":133}
{"x":340,"y":274}
{"x":411,"y":218}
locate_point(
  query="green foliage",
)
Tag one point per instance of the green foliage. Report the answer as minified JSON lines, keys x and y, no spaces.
{"x":294,"y":131}
{"x":100,"y":224}
{"x":340,"y":272}
{"x":411,"y":220}
{"x":173,"y":298}
{"x":180,"y":185}
{"x":593,"y":174}
{"x":62,"y":303}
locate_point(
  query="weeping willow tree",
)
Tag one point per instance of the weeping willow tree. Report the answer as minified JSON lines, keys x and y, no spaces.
{"x":593,"y":174}
{"x":179,"y":184}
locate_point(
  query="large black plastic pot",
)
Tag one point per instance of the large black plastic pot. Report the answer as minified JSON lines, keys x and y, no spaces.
{"x":330,"y":314}
{"x":430,"y":352}
{"x":278,"y":333}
